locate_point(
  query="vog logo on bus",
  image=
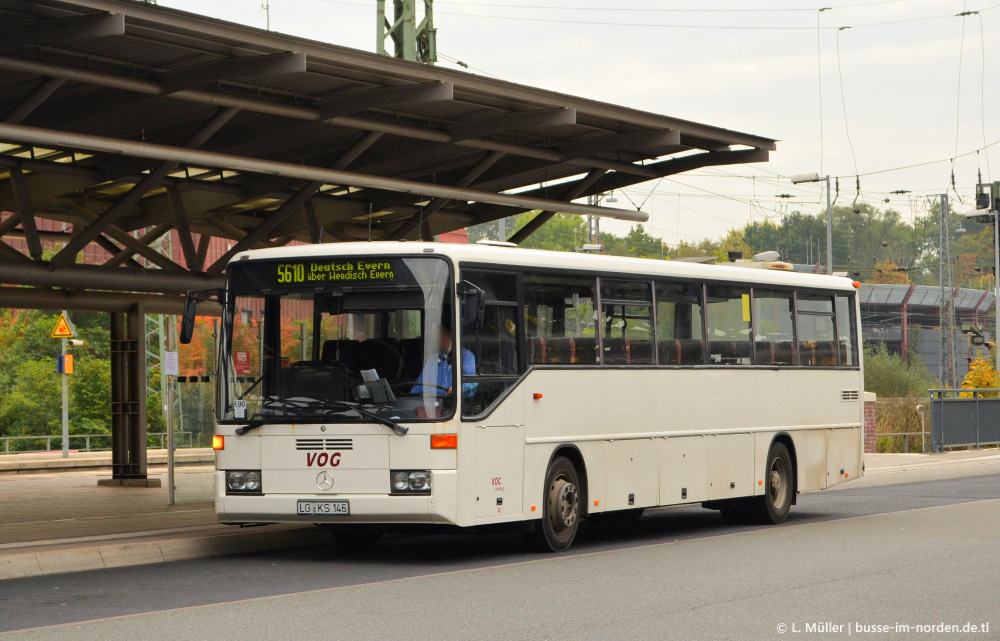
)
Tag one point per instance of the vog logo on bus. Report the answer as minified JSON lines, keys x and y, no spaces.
{"x":322,"y":459}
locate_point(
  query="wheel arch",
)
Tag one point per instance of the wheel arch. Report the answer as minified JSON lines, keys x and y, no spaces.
{"x":786,"y":439}
{"x":575,"y":456}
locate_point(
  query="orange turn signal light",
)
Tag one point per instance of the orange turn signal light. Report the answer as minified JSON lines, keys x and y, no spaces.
{"x":536,"y":396}
{"x":444,"y":441}
{"x":218,"y":442}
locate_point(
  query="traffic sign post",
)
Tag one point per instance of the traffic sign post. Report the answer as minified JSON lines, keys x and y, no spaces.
{"x":64,"y":330}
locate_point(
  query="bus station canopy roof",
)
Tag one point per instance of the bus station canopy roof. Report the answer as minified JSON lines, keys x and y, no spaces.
{"x":124,"y":122}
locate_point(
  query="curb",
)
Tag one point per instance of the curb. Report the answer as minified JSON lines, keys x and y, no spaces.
{"x":116,"y":555}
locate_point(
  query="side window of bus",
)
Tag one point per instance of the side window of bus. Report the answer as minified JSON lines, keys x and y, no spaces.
{"x":847,"y":330}
{"x":559,"y":320}
{"x":728,"y":317}
{"x":774,"y":340}
{"x":627,"y":322}
{"x":494,"y":345}
{"x":678,"y":324}
{"x":817,"y":339}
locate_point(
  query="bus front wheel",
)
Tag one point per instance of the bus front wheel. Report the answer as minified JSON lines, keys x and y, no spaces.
{"x":561,"y":510}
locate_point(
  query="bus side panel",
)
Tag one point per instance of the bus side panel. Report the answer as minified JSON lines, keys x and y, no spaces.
{"x":683,"y":469}
{"x":842,"y":460}
{"x":632,"y":475}
{"x":730,"y":465}
{"x":810,"y":455}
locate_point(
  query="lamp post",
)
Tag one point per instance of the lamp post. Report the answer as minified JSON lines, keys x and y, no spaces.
{"x":815,"y":178}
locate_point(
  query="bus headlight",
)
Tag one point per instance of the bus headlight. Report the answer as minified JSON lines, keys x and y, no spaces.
{"x":243,"y":482}
{"x":410,"y":481}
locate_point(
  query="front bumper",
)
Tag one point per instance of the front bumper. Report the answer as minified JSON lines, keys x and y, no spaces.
{"x":440,"y":507}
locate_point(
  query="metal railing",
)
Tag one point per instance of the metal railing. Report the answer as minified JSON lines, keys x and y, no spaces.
{"x":906,"y":439}
{"x":183,"y":440}
{"x":964,"y":418}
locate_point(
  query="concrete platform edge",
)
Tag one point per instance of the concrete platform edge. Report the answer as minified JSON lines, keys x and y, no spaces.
{"x":115,"y":555}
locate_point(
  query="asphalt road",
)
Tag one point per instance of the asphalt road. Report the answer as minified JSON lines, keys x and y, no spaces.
{"x":909,"y":554}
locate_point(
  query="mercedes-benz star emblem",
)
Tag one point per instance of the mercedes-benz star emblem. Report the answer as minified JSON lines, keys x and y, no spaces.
{"x":324,"y":481}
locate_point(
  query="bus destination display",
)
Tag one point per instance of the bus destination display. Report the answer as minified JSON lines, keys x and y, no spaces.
{"x":318,"y":272}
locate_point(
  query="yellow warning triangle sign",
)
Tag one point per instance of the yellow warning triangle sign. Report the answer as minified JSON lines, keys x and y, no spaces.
{"x":64,"y":328}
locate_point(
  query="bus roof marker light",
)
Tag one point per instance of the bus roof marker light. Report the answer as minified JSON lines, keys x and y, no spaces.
{"x":857,"y":284}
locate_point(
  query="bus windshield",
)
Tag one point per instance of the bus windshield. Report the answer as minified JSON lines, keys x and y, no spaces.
{"x":310,"y":339}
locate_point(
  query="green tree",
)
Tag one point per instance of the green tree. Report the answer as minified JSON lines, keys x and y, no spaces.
{"x":32,"y":404}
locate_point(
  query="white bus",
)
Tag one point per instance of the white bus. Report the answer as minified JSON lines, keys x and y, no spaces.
{"x":363,"y":386}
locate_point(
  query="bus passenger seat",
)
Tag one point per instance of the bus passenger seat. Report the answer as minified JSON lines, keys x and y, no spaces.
{"x":536,"y":350}
{"x":349,"y":352}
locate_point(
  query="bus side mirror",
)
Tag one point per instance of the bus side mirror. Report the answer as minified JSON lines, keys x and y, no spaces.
{"x":187,"y":320}
{"x":191,"y":309}
{"x":473,"y":305}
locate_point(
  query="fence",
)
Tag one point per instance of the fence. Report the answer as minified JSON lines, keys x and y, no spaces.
{"x":900,"y":425}
{"x":184,"y":439}
{"x":964,"y":418}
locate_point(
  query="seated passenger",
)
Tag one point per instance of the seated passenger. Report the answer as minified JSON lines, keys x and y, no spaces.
{"x":438,"y":369}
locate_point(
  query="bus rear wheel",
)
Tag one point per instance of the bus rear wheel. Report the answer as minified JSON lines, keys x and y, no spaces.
{"x":562,"y":509}
{"x":779,"y":488}
{"x":776,"y":502}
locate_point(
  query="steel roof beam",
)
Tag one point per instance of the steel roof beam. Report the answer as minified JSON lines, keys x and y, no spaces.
{"x":151,"y":180}
{"x":516,"y":120}
{"x":31,"y":298}
{"x":183,"y":228}
{"x":59,"y":139}
{"x":97,"y":277}
{"x":384,"y":97}
{"x":27,"y":214}
{"x":60,"y":29}
{"x":261,"y":231}
{"x":229,"y":68}
{"x":618,"y":142}
{"x":301,"y":112}
{"x":573,"y":191}
{"x":126,"y":240}
{"x":662,"y":169}
{"x":433,"y":206}
{"x":146,"y":239}
{"x":33,"y":100}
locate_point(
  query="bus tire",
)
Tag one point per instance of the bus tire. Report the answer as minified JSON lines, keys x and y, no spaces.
{"x":561,"y":510}
{"x":779,"y":488}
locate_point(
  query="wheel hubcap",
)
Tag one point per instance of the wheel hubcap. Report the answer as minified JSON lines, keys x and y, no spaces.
{"x":565,"y":504}
{"x":779,"y":486}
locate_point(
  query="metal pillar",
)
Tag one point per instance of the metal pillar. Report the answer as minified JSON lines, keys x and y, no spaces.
{"x":410,"y":41}
{"x":904,"y":343}
{"x":829,"y":230}
{"x":947,"y":303}
{"x":128,"y":400}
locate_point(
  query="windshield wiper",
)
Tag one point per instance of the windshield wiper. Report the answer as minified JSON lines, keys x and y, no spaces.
{"x":307,"y":405}
{"x":252,"y":425}
{"x":395,"y":427}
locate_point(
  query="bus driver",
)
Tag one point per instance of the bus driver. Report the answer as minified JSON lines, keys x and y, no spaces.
{"x":438,"y":370}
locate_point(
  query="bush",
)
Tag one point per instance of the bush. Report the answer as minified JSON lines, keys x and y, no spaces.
{"x":889,"y":376}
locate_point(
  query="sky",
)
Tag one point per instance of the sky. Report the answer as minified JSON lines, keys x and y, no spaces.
{"x":914,"y":88}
